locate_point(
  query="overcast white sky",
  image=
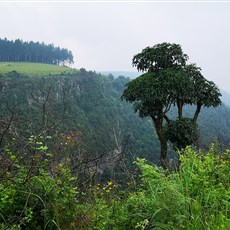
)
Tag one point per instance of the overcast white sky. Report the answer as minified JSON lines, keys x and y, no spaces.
{"x":104,"y":36}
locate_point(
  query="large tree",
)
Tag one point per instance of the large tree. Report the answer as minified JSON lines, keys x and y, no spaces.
{"x":168,"y":80}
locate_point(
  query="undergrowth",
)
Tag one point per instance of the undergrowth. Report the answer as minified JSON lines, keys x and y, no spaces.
{"x":197,"y":197}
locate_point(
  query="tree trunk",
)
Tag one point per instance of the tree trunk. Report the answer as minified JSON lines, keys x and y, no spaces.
{"x":179,"y":106}
{"x":198,"y":108}
{"x":158,"y":123}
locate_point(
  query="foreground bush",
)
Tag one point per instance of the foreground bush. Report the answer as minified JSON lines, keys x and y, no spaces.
{"x":197,"y":197}
{"x":205,"y":181}
{"x":35,"y":191}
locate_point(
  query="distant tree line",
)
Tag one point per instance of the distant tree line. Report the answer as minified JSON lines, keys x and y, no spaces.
{"x":20,"y":51}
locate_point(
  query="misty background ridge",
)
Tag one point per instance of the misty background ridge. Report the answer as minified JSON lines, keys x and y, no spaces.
{"x":132,"y":75}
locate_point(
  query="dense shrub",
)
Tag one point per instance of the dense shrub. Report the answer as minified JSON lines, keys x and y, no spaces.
{"x":197,"y":197}
{"x":34,"y":195}
{"x":182,"y":132}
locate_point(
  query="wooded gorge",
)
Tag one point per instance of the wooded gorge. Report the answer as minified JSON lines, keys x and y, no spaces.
{"x":68,"y":143}
{"x":90,"y":103}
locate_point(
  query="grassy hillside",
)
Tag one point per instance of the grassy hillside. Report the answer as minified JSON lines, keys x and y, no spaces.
{"x":33,"y":69}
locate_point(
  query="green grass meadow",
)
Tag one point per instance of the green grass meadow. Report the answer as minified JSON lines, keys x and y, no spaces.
{"x":34,"y":69}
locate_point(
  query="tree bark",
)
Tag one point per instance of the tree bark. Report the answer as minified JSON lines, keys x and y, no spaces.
{"x":158,"y":123}
{"x":198,"y":108}
{"x":179,"y":106}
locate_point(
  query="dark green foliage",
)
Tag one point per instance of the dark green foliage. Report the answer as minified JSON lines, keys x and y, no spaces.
{"x":153,"y":93}
{"x":182,"y":132}
{"x":169,"y":81}
{"x":160,"y":57}
{"x":19,"y":51}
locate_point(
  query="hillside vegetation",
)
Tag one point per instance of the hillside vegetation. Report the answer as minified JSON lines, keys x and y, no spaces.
{"x":68,"y":144}
{"x":90,"y":103}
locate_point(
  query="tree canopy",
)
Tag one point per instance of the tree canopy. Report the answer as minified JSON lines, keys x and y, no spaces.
{"x":168,"y":80}
{"x":20,"y":51}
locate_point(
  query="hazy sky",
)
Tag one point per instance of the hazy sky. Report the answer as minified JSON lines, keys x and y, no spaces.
{"x":104,"y":36}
